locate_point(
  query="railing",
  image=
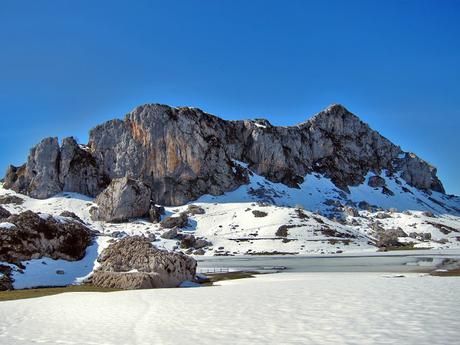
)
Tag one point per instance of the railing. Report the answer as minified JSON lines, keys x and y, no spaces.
{"x":213,"y":270}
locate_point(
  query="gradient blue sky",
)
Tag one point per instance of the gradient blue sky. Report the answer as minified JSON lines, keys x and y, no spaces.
{"x":66,"y":66}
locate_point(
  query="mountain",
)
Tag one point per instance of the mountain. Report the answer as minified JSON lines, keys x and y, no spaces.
{"x":184,"y":153}
{"x":192,"y":182}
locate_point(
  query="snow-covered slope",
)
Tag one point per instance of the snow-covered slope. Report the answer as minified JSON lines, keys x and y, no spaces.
{"x":286,"y":308}
{"x":263,"y":217}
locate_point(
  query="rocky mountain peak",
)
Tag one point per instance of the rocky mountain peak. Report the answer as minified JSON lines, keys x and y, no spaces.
{"x":183,"y":153}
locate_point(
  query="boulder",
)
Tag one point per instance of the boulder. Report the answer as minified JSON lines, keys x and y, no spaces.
{"x":426,"y":236}
{"x":179,"y":221}
{"x":282,"y":231}
{"x":195,"y":209}
{"x":187,"y":241}
{"x":155,"y":213}
{"x":35,"y":236}
{"x":259,"y":214}
{"x":390,"y":238}
{"x":134,"y":263}
{"x":11,"y":199}
{"x":123,"y":199}
{"x":382,"y":215}
{"x":201,"y":243}
{"x":376,"y":182}
{"x":4,"y":213}
{"x":72,"y":215}
{"x":169,"y":234}
{"x":6,"y":281}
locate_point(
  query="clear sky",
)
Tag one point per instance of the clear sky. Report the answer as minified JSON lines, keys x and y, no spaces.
{"x":66,"y":66}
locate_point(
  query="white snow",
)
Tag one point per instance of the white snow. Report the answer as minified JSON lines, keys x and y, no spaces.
{"x":6,"y":225}
{"x":42,"y":272}
{"x":306,"y":308}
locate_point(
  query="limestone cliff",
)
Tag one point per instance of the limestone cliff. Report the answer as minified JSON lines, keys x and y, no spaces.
{"x":183,"y":153}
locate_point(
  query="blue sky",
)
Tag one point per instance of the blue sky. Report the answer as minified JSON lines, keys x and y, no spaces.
{"x":66,"y":66}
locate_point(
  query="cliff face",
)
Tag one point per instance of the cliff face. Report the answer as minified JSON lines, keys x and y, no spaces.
{"x":183,"y":153}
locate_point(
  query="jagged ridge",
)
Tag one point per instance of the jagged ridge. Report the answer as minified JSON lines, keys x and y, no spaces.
{"x":183,"y":153}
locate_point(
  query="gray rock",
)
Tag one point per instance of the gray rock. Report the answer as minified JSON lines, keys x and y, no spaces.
{"x":259,"y":214}
{"x":72,"y":215}
{"x":6,"y":279}
{"x":426,"y":236}
{"x":34,"y":237}
{"x":201,"y":243}
{"x":179,"y":221}
{"x":11,"y":199}
{"x":387,"y":191}
{"x":78,"y":170}
{"x":119,"y":234}
{"x":187,"y":241}
{"x":169,"y":234}
{"x":376,"y":182}
{"x":4,"y":213}
{"x":382,"y":215}
{"x":123,"y":199}
{"x":351,"y":211}
{"x":199,"y":252}
{"x":419,"y":173}
{"x":428,"y":214}
{"x":195,"y":209}
{"x":283,"y":231}
{"x":155,"y":213}
{"x":42,"y":171}
{"x":390,"y":238}
{"x":364,"y":205}
{"x":153,"y":268}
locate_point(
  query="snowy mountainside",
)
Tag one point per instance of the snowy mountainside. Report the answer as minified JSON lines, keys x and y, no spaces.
{"x":263,"y":217}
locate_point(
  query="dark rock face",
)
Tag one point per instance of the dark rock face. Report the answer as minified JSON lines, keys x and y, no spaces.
{"x":155,"y":213}
{"x":4,"y":213}
{"x":123,"y":199}
{"x":259,"y":214}
{"x":376,"y":182}
{"x":183,"y":153}
{"x":11,"y":199}
{"x":33,"y":237}
{"x":72,"y":215}
{"x":153,"y":268}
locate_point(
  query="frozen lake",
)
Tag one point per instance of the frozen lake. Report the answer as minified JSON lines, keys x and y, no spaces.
{"x":395,"y":261}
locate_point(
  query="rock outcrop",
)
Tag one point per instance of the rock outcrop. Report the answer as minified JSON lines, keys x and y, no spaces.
{"x":183,"y":153}
{"x":134,"y":263}
{"x":123,"y":199}
{"x":4,"y":213}
{"x":52,"y":169}
{"x":32,"y":236}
